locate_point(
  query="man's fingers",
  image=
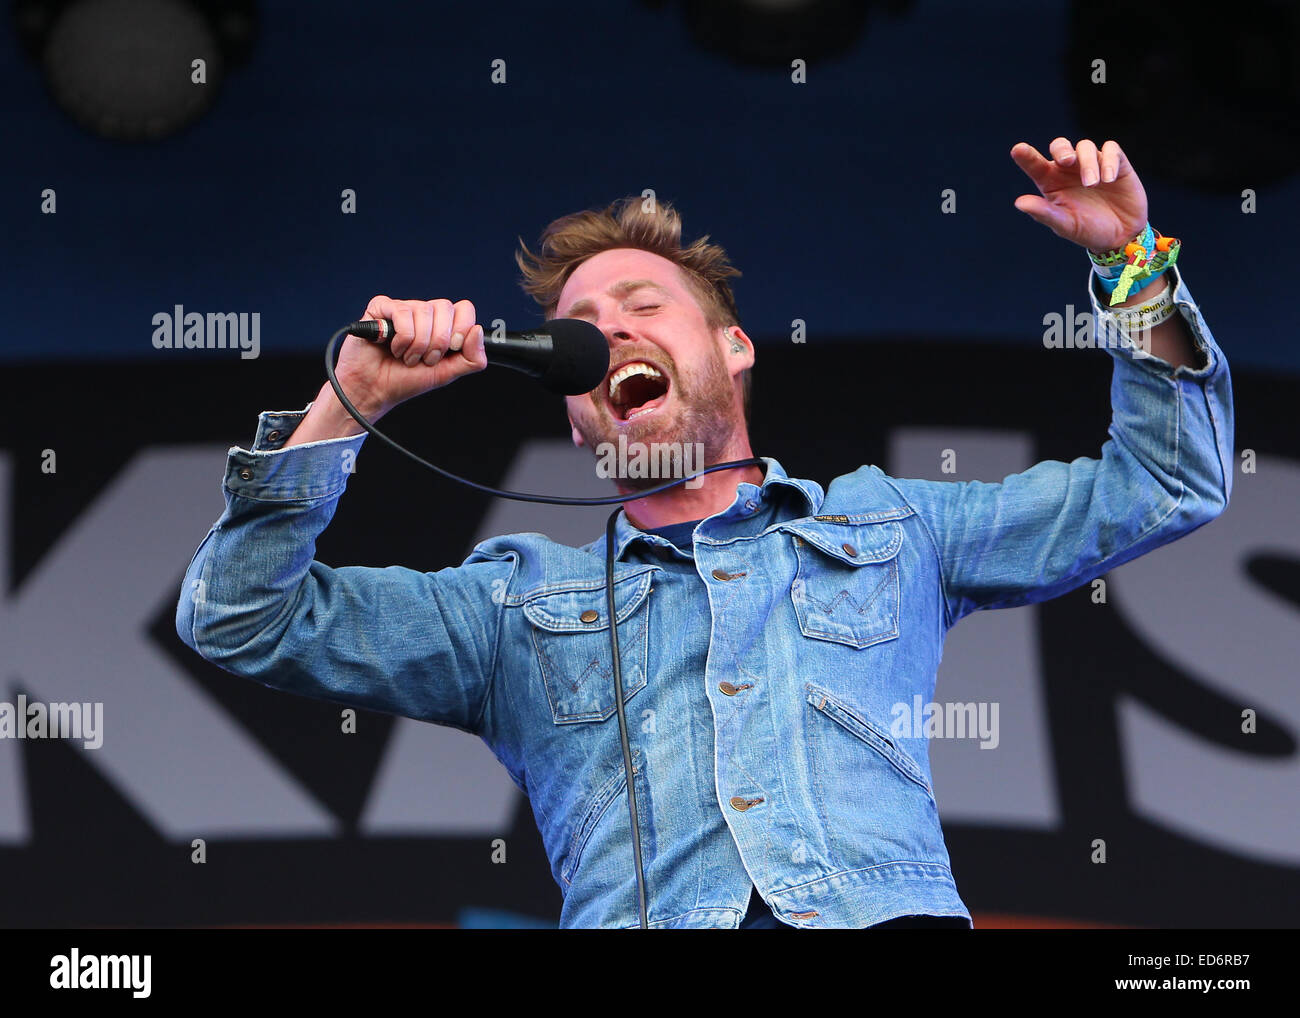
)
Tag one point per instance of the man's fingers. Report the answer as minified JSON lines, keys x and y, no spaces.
{"x":377,"y":307}
{"x":1113,"y":162}
{"x":422,"y":319}
{"x":1030,"y":159}
{"x":475,"y":350}
{"x":422,"y":333}
{"x":473,"y":355}
{"x":1032,"y":205}
{"x":1042,"y":171}
{"x":1089,"y":171}
{"x":1043,"y":211}
{"x":403,"y":330}
{"x":441,"y":332}
{"x":1108,"y":160}
{"x":472,"y":358}
{"x":462,"y":322}
{"x":1062,"y":151}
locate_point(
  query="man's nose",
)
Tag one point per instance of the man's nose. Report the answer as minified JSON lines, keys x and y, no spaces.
{"x":614,"y":326}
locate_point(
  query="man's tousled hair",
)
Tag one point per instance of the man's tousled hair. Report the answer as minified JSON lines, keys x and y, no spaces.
{"x":634,"y":222}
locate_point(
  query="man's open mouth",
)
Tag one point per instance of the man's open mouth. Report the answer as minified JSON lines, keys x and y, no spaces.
{"x":636,"y":388}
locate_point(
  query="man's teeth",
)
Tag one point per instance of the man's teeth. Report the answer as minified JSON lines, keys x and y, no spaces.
{"x":627,"y":371}
{"x":643,"y":410}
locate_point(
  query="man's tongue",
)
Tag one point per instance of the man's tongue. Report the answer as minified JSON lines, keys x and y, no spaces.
{"x":641,"y":394}
{"x":633,"y":411}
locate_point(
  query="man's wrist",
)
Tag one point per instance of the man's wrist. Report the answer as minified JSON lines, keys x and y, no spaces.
{"x":1110,"y":262}
{"x":327,"y":419}
{"x":1138,"y":263}
{"x":339,"y":415}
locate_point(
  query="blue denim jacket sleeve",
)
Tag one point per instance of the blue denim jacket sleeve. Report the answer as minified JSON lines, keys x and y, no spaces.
{"x":256,"y":603}
{"x":1165,"y":470}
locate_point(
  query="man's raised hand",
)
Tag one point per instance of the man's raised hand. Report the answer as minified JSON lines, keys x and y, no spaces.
{"x":1089,"y":196}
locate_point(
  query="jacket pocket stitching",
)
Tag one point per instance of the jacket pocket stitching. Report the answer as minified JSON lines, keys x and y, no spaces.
{"x":804,"y":599}
{"x":828,"y":607}
{"x":630,"y":646}
{"x":864,"y":732}
{"x":605,"y":797}
{"x":535,"y":610}
{"x":821,"y":537}
{"x":570,"y":653}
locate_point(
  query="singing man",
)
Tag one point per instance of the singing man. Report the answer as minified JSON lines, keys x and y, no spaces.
{"x":771,"y":626}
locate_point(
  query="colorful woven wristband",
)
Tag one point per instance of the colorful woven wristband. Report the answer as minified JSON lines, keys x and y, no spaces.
{"x":1139,"y":261}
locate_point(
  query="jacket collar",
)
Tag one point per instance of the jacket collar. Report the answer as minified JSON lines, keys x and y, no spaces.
{"x":749,"y":498}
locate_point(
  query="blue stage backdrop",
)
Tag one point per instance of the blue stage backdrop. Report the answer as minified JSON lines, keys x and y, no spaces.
{"x":861,"y":180}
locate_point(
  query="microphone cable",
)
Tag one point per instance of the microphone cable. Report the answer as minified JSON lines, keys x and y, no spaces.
{"x":521,"y":496}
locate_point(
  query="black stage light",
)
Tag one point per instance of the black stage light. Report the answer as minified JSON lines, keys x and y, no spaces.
{"x":135,"y":70}
{"x":772,"y":33}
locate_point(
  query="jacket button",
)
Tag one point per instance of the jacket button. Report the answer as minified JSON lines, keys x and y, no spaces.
{"x":271,"y":436}
{"x":721,"y":574}
{"x":727,"y":688}
{"x":739,"y":802}
{"x":850,"y":549}
{"x":246,"y":474}
{"x":589,"y":615}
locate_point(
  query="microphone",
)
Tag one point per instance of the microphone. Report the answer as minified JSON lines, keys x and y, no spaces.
{"x":568,"y":356}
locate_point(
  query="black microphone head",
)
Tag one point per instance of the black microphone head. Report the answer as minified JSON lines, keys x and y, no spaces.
{"x":579,"y":359}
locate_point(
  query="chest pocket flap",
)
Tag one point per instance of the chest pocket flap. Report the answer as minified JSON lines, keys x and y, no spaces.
{"x":846,"y":585}
{"x":570,"y":631}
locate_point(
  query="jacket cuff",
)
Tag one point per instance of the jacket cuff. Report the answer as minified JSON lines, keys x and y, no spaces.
{"x":269,"y":472}
{"x":1116,"y":341}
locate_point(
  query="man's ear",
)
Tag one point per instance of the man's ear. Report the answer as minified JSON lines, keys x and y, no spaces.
{"x":740,"y":349}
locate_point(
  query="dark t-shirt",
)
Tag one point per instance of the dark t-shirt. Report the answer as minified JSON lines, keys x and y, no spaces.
{"x":678,"y":533}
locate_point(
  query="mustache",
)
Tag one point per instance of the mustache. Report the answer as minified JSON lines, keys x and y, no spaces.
{"x":654,"y":356}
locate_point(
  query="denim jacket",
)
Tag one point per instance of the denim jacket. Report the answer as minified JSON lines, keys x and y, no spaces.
{"x":760,"y":674}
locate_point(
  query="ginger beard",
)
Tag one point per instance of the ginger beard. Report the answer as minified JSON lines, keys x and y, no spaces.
{"x":699,"y":408}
